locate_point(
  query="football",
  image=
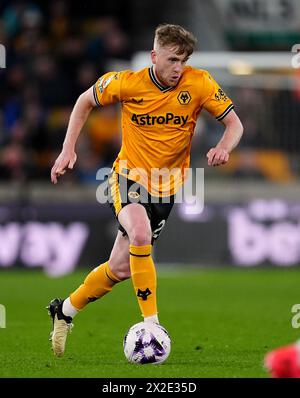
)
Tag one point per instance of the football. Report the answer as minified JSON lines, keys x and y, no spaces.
{"x":147,"y":342}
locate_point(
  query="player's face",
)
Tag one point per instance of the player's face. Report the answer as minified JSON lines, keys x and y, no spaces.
{"x":168,"y":66}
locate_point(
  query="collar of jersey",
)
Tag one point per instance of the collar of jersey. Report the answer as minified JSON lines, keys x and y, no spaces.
{"x":157,"y":83}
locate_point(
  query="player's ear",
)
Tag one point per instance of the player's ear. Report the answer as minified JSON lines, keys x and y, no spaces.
{"x":153,"y":57}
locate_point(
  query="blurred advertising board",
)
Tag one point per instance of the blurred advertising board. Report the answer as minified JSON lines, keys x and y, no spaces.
{"x":258,"y":232}
{"x":260,"y":15}
{"x":58,"y":237}
{"x":260,"y":24}
{"x":62,"y":237}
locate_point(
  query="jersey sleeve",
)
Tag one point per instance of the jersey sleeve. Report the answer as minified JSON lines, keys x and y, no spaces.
{"x":216,"y":101}
{"x":107,"y":89}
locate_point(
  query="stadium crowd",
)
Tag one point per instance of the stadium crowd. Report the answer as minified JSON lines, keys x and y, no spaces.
{"x":52,"y":58}
{"x":54,"y":53}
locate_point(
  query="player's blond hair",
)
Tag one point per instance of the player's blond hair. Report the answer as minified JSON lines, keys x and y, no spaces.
{"x":167,"y":34}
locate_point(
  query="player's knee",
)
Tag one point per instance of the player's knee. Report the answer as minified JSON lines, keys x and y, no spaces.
{"x":140,"y":235}
{"x":123,"y":274}
{"x":120,"y":269}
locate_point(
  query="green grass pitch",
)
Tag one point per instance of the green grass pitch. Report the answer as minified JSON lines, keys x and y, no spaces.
{"x":221,"y":321}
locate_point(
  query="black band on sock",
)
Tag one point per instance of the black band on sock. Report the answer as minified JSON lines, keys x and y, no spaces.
{"x":113,"y":280}
{"x":140,"y":255}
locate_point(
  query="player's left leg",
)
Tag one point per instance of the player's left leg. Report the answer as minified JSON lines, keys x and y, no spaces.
{"x":98,"y":282}
{"x":102,"y":279}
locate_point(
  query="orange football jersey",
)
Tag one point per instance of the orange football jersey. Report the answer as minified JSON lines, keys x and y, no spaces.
{"x":158,"y":122}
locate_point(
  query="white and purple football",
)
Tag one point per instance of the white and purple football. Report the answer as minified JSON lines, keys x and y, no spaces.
{"x":147,"y":342}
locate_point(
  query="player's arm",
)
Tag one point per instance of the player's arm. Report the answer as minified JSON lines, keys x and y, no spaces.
{"x":233,"y":132}
{"x":67,"y":158}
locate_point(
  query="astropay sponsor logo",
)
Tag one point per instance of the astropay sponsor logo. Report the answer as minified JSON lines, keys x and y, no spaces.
{"x":53,"y":246}
{"x":168,"y":118}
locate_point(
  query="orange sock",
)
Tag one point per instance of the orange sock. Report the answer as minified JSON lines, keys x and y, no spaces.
{"x":98,"y":282}
{"x":143,"y":274}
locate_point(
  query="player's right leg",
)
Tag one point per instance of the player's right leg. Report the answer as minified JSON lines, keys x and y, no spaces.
{"x":134,"y":219}
{"x":99,"y":282}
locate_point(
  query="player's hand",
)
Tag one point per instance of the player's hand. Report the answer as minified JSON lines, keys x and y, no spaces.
{"x":217,"y":156}
{"x":65,"y":160}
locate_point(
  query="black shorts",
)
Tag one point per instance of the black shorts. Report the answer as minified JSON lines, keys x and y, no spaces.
{"x":121,"y":192}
